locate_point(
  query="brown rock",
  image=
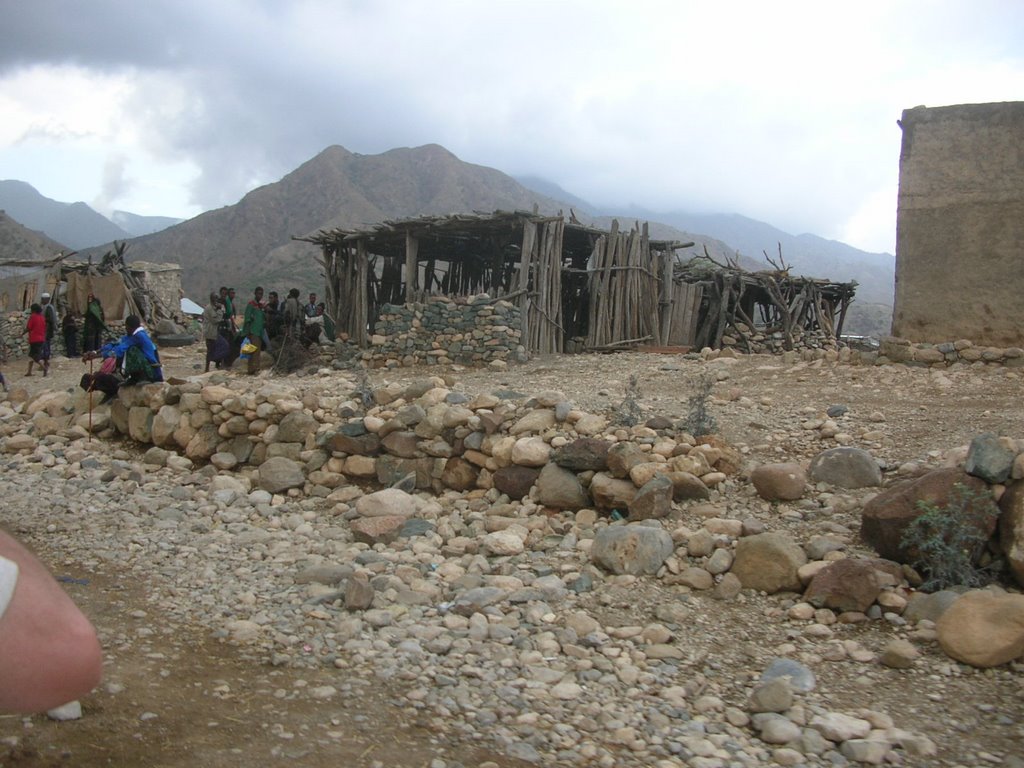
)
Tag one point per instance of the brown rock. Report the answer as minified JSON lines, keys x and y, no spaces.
{"x":849,"y":584}
{"x":1011,"y":528}
{"x":404,"y":444}
{"x":358,"y":594}
{"x":622,"y":457}
{"x":779,"y":482}
{"x":377,"y":530}
{"x":611,"y":493}
{"x":983,"y":628}
{"x":653,"y":500}
{"x":367,"y":444}
{"x":515,"y":481}
{"x":885,"y":518}
{"x":687,"y":487}
{"x":768,"y":562}
{"x":587,"y":453}
{"x":459,"y":474}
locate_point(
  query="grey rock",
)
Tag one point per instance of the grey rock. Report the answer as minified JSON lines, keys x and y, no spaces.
{"x":846,"y":467}
{"x":632,"y":549}
{"x":989,"y":458}
{"x":800,"y":677}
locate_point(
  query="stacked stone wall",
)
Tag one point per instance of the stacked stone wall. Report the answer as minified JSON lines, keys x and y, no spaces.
{"x":474,"y":331}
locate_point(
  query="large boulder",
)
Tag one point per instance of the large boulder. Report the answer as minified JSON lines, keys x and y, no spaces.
{"x":768,"y":562}
{"x":885,"y":518}
{"x":779,"y":482}
{"x":983,"y":628}
{"x":632,"y":549}
{"x":846,"y":467}
{"x":1011,"y":529}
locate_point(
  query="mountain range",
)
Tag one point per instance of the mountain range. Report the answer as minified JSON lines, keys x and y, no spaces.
{"x":251,"y":241}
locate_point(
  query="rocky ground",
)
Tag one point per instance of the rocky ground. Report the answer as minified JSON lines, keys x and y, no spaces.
{"x":228,"y":643}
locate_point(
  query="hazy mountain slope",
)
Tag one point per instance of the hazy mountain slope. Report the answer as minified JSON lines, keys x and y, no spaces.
{"x":241,"y":244}
{"x":136,"y":225}
{"x":18,"y":242}
{"x":808,"y":254}
{"x":76,"y":224}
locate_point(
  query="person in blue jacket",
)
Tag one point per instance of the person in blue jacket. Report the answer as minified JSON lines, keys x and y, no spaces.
{"x":138,"y":361}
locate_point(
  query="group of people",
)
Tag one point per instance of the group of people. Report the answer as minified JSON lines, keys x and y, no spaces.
{"x":263,"y":322}
{"x":43,"y":321}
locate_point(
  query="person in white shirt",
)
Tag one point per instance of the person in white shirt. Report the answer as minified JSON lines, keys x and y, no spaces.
{"x":49,"y":652}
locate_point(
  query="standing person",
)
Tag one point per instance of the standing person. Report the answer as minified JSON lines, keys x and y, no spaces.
{"x":69,"y":327}
{"x":272,"y":310}
{"x":49,"y":652}
{"x":310,"y":308}
{"x":94,"y":325}
{"x":253,"y":326}
{"x":211,"y":332}
{"x":36,"y":328}
{"x":52,"y":321}
{"x":293,"y":316}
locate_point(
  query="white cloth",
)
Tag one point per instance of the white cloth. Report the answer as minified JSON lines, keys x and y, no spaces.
{"x":8,"y":580}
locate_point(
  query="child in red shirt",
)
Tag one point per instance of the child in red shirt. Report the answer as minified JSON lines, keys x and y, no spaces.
{"x":36,"y":339}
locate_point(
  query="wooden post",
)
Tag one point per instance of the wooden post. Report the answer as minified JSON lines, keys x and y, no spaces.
{"x":412,"y":270}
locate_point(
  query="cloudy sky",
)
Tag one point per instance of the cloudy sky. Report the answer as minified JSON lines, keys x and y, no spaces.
{"x":782,"y":111}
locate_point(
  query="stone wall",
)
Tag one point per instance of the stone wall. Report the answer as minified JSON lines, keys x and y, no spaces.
{"x":474,"y":331}
{"x":960,"y":228}
{"x":419,"y":436}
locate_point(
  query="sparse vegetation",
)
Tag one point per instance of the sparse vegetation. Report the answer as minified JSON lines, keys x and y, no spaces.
{"x":699,"y":420}
{"x":947,"y":542}
{"x":628,"y":413}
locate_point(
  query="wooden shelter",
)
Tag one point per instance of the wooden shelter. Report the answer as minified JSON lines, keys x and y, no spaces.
{"x":577,"y":287}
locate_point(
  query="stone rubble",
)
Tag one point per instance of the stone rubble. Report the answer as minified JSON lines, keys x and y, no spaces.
{"x":472,"y":547}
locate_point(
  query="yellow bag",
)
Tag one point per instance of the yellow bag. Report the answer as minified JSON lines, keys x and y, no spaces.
{"x":248,"y":348}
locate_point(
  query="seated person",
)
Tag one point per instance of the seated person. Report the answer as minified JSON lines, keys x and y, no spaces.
{"x":138,"y":361}
{"x":49,"y":654}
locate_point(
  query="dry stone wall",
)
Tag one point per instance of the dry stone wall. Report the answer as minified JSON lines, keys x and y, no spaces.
{"x":475,"y":331}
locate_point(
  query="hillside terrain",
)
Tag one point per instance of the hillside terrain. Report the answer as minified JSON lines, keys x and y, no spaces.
{"x":75,"y":224}
{"x":19,"y":243}
{"x":253,"y":242}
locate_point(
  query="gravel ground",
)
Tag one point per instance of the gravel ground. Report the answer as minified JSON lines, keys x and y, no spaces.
{"x":224,"y":648}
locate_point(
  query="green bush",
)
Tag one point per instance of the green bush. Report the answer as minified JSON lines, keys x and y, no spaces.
{"x":946,"y":543}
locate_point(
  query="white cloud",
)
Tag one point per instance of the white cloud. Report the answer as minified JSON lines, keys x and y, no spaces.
{"x":783,"y":112}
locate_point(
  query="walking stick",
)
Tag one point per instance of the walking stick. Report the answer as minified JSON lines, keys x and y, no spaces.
{"x":92,"y":383}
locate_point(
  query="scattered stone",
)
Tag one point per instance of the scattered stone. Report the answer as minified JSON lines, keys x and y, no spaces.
{"x":768,"y":562}
{"x":846,"y":467}
{"x":779,"y":482}
{"x":631,"y":549}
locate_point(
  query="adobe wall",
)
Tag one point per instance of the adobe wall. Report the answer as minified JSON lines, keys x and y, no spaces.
{"x":960,"y":225}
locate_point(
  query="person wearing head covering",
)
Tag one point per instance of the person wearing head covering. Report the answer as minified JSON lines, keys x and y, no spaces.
{"x":52,"y":321}
{"x":94,"y":325}
{"x":36,"y":327}
{"x":216,"y":344}
{"x":138,"y":361}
